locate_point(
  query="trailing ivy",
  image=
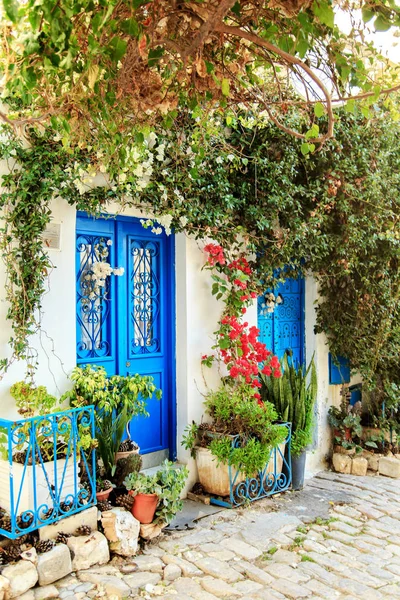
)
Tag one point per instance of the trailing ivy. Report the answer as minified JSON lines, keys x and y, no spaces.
{"x":334,"y":213}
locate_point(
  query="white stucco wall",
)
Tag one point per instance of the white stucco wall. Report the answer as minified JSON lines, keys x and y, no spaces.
{"x":197,"y":315}
{"x":327,"y":394}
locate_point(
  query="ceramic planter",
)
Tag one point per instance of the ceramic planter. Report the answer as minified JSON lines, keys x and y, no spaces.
{"x":120,"y":455}
{"x":23,"y":483}
{"x":144,"y":507}
{"x":103,"y":495}
{"x":215,"y":479}
{"x":298,"y":470}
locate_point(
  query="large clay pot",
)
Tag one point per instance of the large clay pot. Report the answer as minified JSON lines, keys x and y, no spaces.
{"x":144,"y":507}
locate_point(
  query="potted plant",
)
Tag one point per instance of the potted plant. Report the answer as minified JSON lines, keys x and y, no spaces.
{"x":345,"y":422}
{"x":294,"y":397}
{"x":157,"y":495}
{"x":240,"y":435}
{"x":103,"y":489}
{"x":35,"y":461}
{"x":117,"y":400}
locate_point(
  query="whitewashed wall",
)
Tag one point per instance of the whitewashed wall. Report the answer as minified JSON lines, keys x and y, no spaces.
{"x":197,"y":315}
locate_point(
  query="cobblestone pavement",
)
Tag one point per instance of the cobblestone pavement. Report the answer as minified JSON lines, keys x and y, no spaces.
{"x":274,"y":549}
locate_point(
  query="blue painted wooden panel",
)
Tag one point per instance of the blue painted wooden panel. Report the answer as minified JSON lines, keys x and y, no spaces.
{"x":144,"y":319}
{"x":339,"y":370}
{"x":284,"y":328}
{"x":139,"y":321}
{"x":95,"y":317}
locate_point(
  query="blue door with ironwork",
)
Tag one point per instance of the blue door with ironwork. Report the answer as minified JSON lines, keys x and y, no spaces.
{"x":283,"y":329}
{"x":125,"y":314}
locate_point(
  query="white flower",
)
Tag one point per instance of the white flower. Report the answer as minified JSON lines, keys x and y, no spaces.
{"x":119,"y":271}
{"x":219,"y":160}
{"x":109,"y":242}
{"x":151,"y":139}
{"x":231,"y":157}
{"x":279,"y":299}
{"x":156,"y":230}
{"x":101,"y":270}
{"x":183,"y":221}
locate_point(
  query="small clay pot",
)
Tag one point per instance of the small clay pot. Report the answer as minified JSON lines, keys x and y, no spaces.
{"x":144,"y":507}
{"x":101,"y":496}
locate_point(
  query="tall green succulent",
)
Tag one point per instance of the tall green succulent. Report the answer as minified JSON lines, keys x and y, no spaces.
{"x":294,"y":396}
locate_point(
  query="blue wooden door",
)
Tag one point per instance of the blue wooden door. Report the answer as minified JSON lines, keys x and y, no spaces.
{"x":127,"y":324}
{"x":284,"y":328}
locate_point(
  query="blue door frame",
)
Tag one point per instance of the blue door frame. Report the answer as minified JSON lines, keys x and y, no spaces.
{"x":284,"y":328}
{"x":132,"y":329}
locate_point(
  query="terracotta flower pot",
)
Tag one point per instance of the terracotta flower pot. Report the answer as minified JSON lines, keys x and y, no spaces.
{"x":101,"y":496}
{"x":144,"y":507}
{"x":126,"y":454}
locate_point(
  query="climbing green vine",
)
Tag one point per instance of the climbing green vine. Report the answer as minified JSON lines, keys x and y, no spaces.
{"x":334,"y":213}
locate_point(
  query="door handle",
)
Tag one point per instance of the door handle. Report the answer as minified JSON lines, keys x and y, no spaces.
{"x":128,"y":364}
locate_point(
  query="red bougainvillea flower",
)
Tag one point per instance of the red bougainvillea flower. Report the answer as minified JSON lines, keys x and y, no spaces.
{"x":216,"y":254}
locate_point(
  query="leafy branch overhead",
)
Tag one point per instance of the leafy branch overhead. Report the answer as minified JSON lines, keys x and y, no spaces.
{"x":105,"y":66}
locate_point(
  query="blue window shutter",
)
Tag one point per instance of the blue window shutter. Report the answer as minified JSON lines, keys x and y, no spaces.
{"x":339,"y":370}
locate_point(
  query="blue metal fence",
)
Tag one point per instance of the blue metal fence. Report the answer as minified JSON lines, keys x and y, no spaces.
{"x":276,"y":476}
{"x":47,"y":469}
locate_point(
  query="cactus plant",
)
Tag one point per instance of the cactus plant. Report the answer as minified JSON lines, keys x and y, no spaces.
{"x":294,"y":396}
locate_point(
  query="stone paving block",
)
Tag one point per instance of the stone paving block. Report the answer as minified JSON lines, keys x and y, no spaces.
{"x":359,"y":466}
{"x":340,"y":537}
{"x":219,"y":588}
{"x":349,"y":511}
{"x":290,"y":589}
{"x":187,"y":568}
{"x":253,"y":572}
{"x":287,"y":557}
{"x":341,"y":463}
{"x":322,"y":590}
{"x":247,"y":587}
{"x":241,"y":548}
{"x":317,"y":571}
{"x":141,"y":579}
{"x":389,"y":466}
{"x":344,"y":528}
{"x":282,"y":571}
{"x":390,"y":591}
{"x":359,"y":590}
{"x":219,"y":569}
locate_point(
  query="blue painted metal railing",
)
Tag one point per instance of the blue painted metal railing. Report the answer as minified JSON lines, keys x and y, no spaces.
{"x":276,"y":476}
{"x":45,"y":472}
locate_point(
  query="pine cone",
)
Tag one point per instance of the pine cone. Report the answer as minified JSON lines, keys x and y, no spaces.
{"x":24,"y":524}
{"x":19,"y":457}
{"x":62,"y":537}
{"x":12,"y":552}
{"x":84,"y":530}
{"x":126,"y":501}
{"x":104,"y":505}
{"x":44,"y":546}
{"x":126,"y":446}
{"x":5,"y":523}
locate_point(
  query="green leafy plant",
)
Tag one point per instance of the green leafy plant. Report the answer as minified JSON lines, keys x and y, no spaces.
{"x":346,"y":425}
{"x":168,"y":483}
{"x":235,"y":414}
{"x":294,"y":396}
{"x":116,"y":399}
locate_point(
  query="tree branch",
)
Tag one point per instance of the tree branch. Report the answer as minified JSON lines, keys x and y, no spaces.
{"x":209,"y":26}
{"x":290,"y":60}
